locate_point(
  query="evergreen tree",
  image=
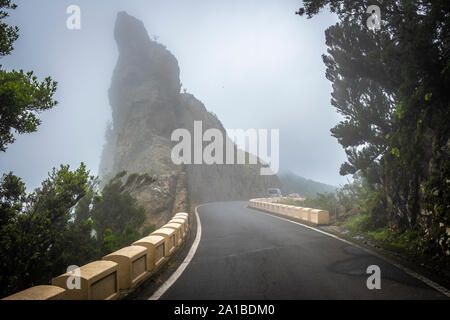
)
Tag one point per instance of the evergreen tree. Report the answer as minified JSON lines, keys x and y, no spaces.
{"x":33,"y":227}
{"x":391,"y":86}
{"x":22,"y":96}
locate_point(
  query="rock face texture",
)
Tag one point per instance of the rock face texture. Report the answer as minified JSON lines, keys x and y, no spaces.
{"x":147,"y":107}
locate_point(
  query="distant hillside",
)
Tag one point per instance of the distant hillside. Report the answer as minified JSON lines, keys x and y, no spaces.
{"x":292,"y":183}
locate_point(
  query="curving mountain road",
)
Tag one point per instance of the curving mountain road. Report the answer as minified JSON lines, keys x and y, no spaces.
{"x":246,"y":254}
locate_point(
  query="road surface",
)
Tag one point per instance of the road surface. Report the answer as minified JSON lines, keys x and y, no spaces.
{"x":246,"y":254}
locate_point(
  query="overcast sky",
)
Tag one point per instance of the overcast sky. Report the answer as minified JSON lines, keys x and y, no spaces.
{"x":254,"y":63}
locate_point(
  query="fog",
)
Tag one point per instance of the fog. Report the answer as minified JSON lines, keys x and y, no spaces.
{"x":254,"y":64}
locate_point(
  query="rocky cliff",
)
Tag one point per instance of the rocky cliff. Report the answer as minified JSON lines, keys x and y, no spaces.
{"x":146,"y":107}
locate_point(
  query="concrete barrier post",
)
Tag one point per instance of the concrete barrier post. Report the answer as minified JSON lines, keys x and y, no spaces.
{"x":291,"y":211}
{"x":320,"y":216}
{"x":39,"y":293}
{"x":132,"y":265}
{"x":306,"y":214}
{"x":98,"y":281}
{"x":182,"y":215}
{"x":183,"y":224}
{"x":297,"y":212}
{"x":279,"y":208}
{"x":155,"y":251}
{"x":169,"y":236}
{"x":178,"y":232}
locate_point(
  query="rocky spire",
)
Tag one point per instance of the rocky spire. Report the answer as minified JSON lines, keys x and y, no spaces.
{"x":142,"y":63}
{"x":130,"y":34}
{"x":146,"y":107}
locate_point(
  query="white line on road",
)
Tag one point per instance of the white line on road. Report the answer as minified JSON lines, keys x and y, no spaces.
{"x":174,"y":277}
{"x":432,"y":284}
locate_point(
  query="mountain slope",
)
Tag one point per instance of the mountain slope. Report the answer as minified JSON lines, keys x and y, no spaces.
{"x":292,"y":183}
{"x":147,"y":107}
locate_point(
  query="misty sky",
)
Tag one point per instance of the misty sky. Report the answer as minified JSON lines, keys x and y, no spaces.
{"x":254,"y":63}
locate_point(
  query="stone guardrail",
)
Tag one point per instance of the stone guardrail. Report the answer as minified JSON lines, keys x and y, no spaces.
{"x":314,"y":216}
{"x":118,"y":273}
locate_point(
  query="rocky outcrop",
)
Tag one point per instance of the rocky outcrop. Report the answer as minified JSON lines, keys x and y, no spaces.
{"x":146,"y":107}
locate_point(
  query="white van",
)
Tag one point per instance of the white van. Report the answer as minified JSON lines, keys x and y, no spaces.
{"x":274,"y":193}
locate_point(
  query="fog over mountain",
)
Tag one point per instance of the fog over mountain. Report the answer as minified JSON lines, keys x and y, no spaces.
{"x":304,"y":187}
{"x":147,"y":107}
{"x":255,"y":64}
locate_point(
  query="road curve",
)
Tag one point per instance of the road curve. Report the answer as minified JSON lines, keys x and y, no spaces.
{"x":245,"y":254}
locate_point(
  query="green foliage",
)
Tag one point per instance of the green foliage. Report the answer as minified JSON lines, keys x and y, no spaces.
{"x":22,"y":96}
{"x":8,"y":34}
{"x":33,"y":226}
{"x":64,"y":222}
{"x":436,"y":205}
{"x":351,"y":195}
{"x":116,"y":214}
{"x":44,"y":232}
{"x":391,"y":87}
{"x":147,"y":230}
{"x":357,"y":223}
{"x":323,"y":201}
{"x":388,"y":237}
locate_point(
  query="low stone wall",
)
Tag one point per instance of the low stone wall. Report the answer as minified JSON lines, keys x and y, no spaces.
{"x":118,"y":273}
{"x":314,"y":216}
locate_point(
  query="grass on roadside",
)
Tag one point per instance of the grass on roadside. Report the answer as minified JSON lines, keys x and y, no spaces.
{"x":292,"y":202}
{"x":407,"y":242}
{"x":387,"y":237}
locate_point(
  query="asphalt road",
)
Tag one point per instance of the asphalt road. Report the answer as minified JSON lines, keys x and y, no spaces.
{"x":246,"y":254}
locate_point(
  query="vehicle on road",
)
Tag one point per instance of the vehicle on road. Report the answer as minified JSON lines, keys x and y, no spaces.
{"x":274,"y":193}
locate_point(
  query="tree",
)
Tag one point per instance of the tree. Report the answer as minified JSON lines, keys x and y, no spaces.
{"x":34,"y":226}
{"x":117,"y":216}
{"x":391,"y":86}
{"x":22,"y":96}
{"x":8,"y":34}
{"x":64,"y":222}
{"x":352,"y":194}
